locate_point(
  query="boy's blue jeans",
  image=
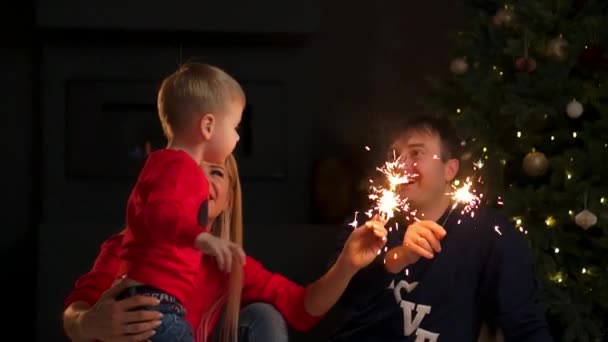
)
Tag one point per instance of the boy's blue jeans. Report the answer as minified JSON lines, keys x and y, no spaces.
{"x":174,"y":327}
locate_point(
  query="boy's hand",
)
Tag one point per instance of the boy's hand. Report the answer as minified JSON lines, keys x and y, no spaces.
{"x":224,"y":251}
{"x":364,"y":243}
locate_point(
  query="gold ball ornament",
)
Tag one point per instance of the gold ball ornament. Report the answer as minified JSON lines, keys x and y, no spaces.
{"x":557,"y":48}
{"x":459,"y":66}
{"x":574,"y":109}
{"x":585,"y":219}
{"x":535,"y":164}
{"x":504,"y":16}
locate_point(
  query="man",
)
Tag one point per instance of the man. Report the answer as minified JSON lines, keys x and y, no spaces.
{"x":447,"y":273}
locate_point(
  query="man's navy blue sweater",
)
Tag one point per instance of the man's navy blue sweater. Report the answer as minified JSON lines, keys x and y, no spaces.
{"x":484,"y":273}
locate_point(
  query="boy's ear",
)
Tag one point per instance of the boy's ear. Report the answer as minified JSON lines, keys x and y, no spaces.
{"x":207,"y":125}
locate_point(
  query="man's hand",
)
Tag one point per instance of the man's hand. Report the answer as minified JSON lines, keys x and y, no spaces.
{"x":225,"y":252}
{"x":364,"y":243}
{"x":422,"y":239}
{"x":113,"y":321}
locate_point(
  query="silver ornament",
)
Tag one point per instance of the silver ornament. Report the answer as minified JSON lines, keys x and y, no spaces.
{"x":459,"y":66}
{"x":504,"y":16}
{"x":557,"y":48}
{"x":585,"y":219}
{"x":574,"y":109}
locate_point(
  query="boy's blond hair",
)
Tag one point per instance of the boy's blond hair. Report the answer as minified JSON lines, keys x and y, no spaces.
{"x":194,"y":89}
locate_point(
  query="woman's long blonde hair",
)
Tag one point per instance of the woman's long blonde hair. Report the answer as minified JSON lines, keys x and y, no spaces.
{"x":229,"y":225}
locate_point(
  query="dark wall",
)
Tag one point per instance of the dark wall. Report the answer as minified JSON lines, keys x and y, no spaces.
{"x":82,"y":86}
{"x":265,"y":16}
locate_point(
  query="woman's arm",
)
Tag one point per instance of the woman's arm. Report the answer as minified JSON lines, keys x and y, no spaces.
{"x":302,"y":307}
{"x":360,"y":249}
{"x":71,"y":321}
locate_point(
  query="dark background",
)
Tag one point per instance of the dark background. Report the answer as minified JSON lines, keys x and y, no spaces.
{"x":79,"y":107}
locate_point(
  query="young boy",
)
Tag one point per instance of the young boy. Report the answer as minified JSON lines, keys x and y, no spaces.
{"x":200,"y":107}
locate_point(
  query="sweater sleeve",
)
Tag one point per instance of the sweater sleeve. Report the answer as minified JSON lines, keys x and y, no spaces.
{"x":173,"y":211}
{"x":260,"y":285}
{"x":89,"y":287}
{"x":510,"y":287}
{"x":358,"y":293}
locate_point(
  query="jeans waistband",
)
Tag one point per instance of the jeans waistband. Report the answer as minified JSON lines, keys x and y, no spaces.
{"x":150,"y":291}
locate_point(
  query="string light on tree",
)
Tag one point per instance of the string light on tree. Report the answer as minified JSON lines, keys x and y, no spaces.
{"x":558,"y":277}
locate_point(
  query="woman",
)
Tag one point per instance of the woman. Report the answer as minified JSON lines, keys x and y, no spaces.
{"x":92,"y":313}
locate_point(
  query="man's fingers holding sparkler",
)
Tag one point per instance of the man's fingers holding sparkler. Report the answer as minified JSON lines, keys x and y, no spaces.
{"x":414,"y":246}
{"x":423,"y":238}
{"x":437,"y":230}
{"x":431,"y":232}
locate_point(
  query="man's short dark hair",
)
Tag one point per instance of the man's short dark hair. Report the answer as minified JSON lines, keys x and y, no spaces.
{"x":433,"y":124}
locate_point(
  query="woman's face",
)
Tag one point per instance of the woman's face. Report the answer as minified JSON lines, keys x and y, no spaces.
{"x":219,"y":189}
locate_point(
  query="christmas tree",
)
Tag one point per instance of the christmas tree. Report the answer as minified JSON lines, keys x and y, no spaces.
{"x":528,"y":87}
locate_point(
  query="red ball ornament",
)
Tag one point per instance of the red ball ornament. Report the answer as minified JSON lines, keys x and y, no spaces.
{"x":579,"y":4}
{"x":594,"y":56}
{"x":525,"y":64}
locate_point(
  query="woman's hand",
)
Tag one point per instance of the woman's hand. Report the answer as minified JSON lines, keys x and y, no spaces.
{"x":225,"y":252}
{"x":364,"y":244}
{"x":110,"y":320}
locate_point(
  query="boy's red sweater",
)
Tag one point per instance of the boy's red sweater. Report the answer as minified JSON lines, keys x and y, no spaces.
{"x":166,"y":211}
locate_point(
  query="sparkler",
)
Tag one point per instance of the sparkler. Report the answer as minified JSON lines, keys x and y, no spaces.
{"x":386,"y":200}
{"x":466,"y":195}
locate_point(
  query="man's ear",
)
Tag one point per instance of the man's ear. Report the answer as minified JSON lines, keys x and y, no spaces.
{"x":207,"y":125}
{"x":451,"y":169}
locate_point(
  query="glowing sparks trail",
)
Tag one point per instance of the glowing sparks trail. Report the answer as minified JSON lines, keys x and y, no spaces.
{"x":466,"y":196}
{"x":355,"y":223}
{"x":386,"y":200}
{"x":500,"y":202}
{"x":497,"y":229}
